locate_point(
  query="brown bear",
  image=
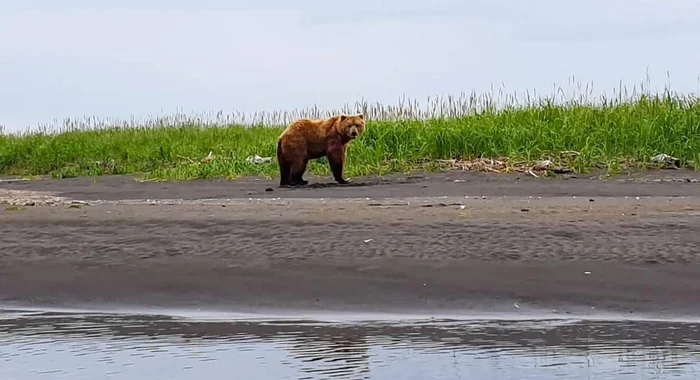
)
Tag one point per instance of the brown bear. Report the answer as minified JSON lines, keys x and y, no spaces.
{"x":306,"y":139}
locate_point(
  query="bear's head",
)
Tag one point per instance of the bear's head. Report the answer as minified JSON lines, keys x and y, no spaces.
{"x":351,"y":126}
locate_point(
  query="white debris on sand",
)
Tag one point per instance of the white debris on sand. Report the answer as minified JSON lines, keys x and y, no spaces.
{"x":667,"y":160}
{"x":258,"y":160}
{"x":32,"y":198}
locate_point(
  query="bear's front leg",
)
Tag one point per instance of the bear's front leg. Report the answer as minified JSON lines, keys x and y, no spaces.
{"x":336,"y":160}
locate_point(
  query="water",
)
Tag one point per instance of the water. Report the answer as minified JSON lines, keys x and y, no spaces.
{"x":54,"y":345}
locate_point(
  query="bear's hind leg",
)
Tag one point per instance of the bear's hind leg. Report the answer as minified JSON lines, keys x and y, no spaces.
{"x":297,"y":173}
{"x":284,"y":165}
{"x":285,"y":171}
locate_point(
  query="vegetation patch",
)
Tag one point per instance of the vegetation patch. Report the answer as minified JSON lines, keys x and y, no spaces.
{"x":463,"y":133}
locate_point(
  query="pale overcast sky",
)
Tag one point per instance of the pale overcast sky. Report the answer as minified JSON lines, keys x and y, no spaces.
{"x":81,"y":58}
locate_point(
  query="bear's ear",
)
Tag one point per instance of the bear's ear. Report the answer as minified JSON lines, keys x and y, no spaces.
{"x":343,"y":117}
{"x":361,"y":116}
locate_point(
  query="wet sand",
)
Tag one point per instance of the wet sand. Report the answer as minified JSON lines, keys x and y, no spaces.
{"x":454,"y":243}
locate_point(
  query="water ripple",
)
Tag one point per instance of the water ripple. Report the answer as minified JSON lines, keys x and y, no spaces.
{"x":65,"y":346}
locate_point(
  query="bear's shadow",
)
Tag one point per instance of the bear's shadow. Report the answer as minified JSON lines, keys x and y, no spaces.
{"x":328,"y":185}
{"x":356,"y":183}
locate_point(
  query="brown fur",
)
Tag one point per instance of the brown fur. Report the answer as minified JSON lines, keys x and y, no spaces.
{"x":307,"y":139}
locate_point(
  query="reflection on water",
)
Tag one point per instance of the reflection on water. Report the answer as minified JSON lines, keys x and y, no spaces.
{"x":65,"y":346}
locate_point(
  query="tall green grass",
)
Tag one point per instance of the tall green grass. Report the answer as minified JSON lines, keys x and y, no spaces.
{"x":605,"y":132}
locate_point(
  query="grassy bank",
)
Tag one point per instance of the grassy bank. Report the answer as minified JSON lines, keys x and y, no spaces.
{"x":605,"y":135}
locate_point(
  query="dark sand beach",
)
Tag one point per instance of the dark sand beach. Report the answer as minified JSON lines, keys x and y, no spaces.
{"x":453,"y":242}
